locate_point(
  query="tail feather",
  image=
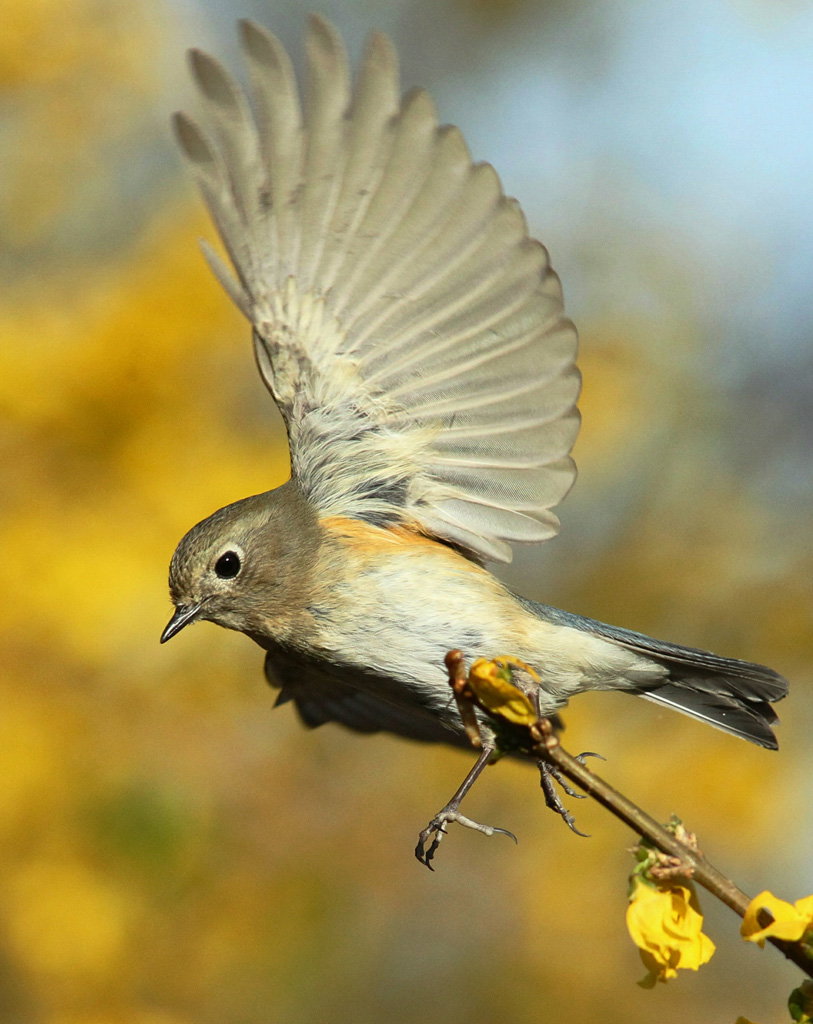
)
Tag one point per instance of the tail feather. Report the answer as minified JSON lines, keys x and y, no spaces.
{"x":751,"y":720}
{"x":732,"y":695}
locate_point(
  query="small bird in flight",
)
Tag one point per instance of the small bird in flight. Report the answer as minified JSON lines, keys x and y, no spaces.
{"x":414,"y":339}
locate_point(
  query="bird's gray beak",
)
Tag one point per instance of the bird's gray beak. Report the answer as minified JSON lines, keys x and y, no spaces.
{"x":184,"y":614}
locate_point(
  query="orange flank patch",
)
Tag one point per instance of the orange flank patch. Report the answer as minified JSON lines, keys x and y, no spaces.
{"x":374,"y":538}
{"x":365,"y":544}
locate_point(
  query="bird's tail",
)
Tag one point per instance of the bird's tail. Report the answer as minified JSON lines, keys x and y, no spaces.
{"x":732,"y":695}
{"x":735,"y":697}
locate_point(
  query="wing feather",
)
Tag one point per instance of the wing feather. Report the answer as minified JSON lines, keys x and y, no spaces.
{"x":278,"y":120}
{"x":403,"y":176}
{"x":410,"y":331}
{"x":327,"y":104}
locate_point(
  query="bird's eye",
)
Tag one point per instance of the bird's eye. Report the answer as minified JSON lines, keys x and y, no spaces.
{"x":228,"y":565}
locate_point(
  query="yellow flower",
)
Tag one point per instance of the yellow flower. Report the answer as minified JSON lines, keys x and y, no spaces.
{"x":665,"y":923}
{"x":790,"y":921}
{"x":491,"y":683}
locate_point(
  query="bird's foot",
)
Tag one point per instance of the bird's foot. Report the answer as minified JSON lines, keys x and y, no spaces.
{"x":548,"y":775}
{"x":436,"y":830}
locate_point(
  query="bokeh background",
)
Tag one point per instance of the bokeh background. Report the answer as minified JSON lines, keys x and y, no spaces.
{"x":173,"y":851}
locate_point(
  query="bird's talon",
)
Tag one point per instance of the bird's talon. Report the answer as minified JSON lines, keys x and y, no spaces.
{"x":437,"y":829}
{"x":570,"y":821}
{"x":589,"y":753}
{"x":547,"y":775}
{"x":505,"y":832}
{"x":426,"y":854}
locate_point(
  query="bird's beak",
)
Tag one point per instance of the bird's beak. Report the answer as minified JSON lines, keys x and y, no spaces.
{"x":184,"y":614}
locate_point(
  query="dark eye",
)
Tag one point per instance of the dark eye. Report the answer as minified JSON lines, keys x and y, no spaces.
{"x":228,"y":565}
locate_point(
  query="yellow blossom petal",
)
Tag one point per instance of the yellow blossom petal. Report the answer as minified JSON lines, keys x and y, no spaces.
{"x":789,"y":922}
{"x":666,"y":925}
{"x":658,"y":969}
{"x":805,"y":908}
{"x":491,"y":684}
{"x":698,"y":952}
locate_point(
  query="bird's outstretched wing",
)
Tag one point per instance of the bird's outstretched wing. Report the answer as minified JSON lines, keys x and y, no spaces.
{"x":411,"y":333}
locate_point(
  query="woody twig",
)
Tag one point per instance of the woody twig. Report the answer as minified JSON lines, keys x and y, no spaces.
{"x":537,"y":736}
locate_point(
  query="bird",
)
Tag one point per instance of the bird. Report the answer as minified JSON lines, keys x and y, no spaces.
{"x":414,"y":338}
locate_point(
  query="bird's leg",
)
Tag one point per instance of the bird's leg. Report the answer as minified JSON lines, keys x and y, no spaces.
{"x":548,"y":728}
{"x":548,"y":775}
{"x":436,"y":829}
{"x":553,"y":773}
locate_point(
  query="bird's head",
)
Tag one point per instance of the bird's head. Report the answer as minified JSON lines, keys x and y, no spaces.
{"x":245,"y":564}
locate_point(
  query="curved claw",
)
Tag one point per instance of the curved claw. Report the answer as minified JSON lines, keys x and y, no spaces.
{"x":505,"y":832}
{"x":549,"y":774}
{"x":570,"y":821}
{"x":589,"y":753}
{"x":425,"y":855}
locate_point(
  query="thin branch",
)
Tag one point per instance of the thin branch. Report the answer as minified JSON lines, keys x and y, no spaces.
{"x":549,"y":749}
{"x":537,"y":737}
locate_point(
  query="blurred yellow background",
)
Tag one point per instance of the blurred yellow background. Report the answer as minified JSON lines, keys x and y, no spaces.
{"x":172,"y":851}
